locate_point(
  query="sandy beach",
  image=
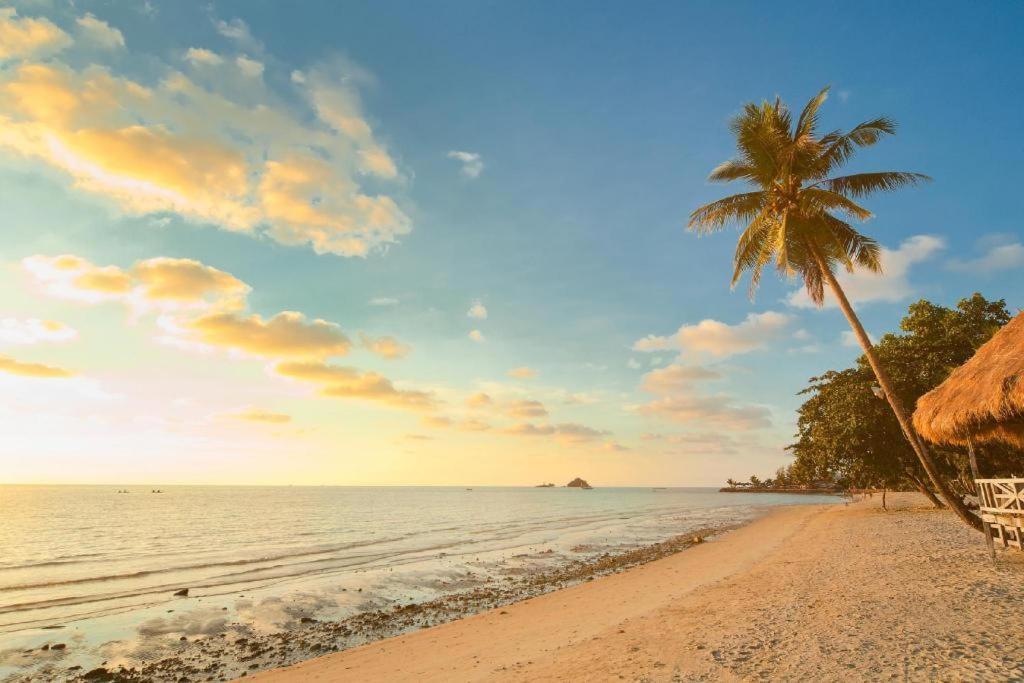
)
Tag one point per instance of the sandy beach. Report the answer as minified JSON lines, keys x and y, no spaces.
{"x":847,"y":592}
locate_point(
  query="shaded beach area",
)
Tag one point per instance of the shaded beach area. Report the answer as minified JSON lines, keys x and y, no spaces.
{"x":810,"y":592}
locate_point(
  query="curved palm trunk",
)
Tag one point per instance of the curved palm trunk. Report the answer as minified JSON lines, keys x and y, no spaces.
{"x":954,"y":502}
{"x":925,"y":491}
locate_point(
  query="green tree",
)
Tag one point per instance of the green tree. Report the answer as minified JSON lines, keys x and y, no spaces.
{"x":847,"y":433}
{"x":794,"y":218}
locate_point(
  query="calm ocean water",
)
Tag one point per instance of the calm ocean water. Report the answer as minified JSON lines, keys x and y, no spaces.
{"x":105,"y":563}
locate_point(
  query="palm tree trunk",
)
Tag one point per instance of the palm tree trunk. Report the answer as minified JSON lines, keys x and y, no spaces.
{"x":925,"y":491}
{"x":952,"y":501}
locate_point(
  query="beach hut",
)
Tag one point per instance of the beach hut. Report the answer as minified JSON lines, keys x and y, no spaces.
{"x":983,"y":401}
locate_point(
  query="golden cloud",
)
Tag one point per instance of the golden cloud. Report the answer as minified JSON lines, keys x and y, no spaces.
{"x":680,"y":400}
{"x":185,"y":280}
{"x":345,"y":382}
{"x":257,"y":415}
{"x":23,"y":369}
{"x":473,"y":425}
{"x":163,"y":281}
{"x":526,"y":409}
{"x":479,"y":400}
{"x":108,"y":280}
{"x":569,"y":432}
{"x":24,"y":36}
{"x":286,"y":335}
{"x":522,"y":372}
{"x":385,"y":347}
{"x":441,"y":422}
{"x":225,"y":153}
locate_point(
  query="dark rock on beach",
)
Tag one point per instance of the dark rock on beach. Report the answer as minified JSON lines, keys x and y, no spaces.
{"x":182,"y":593}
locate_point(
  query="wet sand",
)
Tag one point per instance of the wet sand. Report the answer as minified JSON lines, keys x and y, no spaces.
{"x":805,"y":593}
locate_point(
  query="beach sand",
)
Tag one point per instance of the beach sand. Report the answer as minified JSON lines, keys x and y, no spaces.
{"x":847,"y":592}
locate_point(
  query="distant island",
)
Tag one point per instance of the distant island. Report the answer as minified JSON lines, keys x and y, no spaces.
{"x":578,"y":483}
{"x":544,"y":486}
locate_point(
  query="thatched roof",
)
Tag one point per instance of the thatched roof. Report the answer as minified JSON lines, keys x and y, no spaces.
{"x":982,"y":399}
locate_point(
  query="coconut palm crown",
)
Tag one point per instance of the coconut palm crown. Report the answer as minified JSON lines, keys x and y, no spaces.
{"x":797,"y":214}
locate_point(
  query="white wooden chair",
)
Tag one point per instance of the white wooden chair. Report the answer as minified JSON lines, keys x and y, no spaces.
{"x":1002,"y":510}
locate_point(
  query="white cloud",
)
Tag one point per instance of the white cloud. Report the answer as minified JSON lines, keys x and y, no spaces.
{"x":383,"y":301}
{"x":472,"y":163}
{"x":720,"y":339}
{"x":249,"y":67}
{"x":34,"y":331}
{"x":633,"y":364}
{"x":236,"y":29}
{"x":200,"y":56}
{"x":998,"y":257}
{"x":477,"y":311}
{"x":100,"y":32}
{"x":477,"y":336}
{"x":891,"y":286}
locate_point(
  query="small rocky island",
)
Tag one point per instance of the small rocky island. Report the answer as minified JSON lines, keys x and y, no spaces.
{"x":545,"y":486}
{"x":578,"y":483}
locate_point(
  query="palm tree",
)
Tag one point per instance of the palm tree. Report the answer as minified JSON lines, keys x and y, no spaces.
{"x":792,"y":218}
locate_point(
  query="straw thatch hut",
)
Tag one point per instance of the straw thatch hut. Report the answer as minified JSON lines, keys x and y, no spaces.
{"x":983,"y":399}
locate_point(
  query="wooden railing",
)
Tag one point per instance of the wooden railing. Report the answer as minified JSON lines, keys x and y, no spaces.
{"x":1002,"y":510}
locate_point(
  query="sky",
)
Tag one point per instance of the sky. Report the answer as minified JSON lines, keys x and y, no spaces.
{"x":444,"y":243}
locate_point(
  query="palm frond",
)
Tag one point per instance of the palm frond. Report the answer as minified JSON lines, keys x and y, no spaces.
{"x":854,"y":247}
{"x":733,"y":169}
{"x":763,"y":258}
{"x":864,"y":184}
{"x":839,"y":146}
{"x":808,"y":121}
{"x":761,"y":136}
{"x":750,"y":243}
{"x":781,"y":246}
{"x":815,"y":199}
{"x":814,"y":283}
{"x":739,"y":208}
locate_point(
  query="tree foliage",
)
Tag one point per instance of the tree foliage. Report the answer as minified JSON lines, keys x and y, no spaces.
{"x":848,"y":435}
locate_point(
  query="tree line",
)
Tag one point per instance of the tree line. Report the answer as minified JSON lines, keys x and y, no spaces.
{"x":847,"y":434}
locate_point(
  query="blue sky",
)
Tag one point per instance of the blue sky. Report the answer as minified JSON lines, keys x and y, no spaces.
{"x":591,"y":131}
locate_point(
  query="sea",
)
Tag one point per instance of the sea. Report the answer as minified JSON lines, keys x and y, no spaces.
{"x":97,"y":567}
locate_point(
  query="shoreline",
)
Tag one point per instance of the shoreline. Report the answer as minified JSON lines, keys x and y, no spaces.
{"x":239,"y":651}
{"x":911,"y":596}
{"x":431,"y":650}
